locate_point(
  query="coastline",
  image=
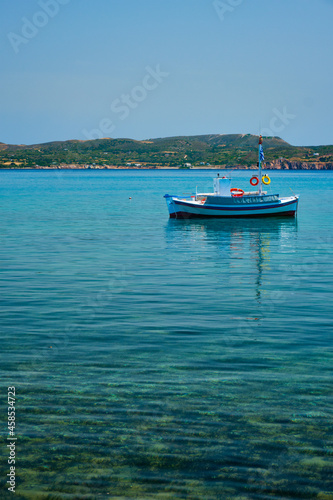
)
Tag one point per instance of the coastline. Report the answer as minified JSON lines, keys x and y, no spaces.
{"x":274,"y":165}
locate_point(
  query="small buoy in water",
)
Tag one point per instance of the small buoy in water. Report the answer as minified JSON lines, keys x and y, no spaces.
{"x":130,"y":197}
{"x":50,"y":347}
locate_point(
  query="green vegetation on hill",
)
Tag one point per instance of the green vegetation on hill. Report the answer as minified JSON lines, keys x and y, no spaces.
{"x":227,"y":150}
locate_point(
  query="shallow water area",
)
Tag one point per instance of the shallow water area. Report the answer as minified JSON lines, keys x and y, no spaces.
{"x":158,"y":358}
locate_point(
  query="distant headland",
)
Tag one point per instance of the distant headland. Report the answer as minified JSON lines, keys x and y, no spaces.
{"x":182,"y":152}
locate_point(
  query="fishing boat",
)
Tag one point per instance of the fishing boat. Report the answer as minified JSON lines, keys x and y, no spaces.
{"x":233,"y":202}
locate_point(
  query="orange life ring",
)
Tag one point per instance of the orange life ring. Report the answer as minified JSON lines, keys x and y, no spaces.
{"x":236,"y":193}
{"x":254,"y":181}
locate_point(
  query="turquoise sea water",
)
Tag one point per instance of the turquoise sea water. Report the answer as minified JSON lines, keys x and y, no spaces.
{"x":157,"y":358}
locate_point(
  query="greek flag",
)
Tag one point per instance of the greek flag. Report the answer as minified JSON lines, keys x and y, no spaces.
{"x":261,"y":153}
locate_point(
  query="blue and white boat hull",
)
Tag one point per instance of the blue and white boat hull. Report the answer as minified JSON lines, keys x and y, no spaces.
{"x":225,"y":207}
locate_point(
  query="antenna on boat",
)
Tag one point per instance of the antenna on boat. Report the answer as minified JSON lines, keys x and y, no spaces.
{"x":261,"y":158}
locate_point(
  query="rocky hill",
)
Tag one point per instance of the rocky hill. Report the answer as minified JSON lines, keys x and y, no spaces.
{"x":223,"y":151}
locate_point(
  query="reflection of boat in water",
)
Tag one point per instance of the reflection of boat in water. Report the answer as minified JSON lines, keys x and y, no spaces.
{"x":217,"y":230}
{"x":228,"y":202}
{"x":238,"y":251}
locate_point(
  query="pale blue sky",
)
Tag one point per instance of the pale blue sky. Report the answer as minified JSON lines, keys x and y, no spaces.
{"x":75,"y":69}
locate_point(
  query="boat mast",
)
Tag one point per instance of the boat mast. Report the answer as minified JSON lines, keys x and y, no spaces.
{"x":259,"y":164}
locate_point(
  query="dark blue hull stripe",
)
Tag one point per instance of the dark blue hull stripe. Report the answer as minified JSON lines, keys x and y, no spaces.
{"x":188,"y":215}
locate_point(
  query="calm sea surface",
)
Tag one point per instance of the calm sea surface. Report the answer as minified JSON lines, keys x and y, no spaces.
{"x":164,"y":359}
